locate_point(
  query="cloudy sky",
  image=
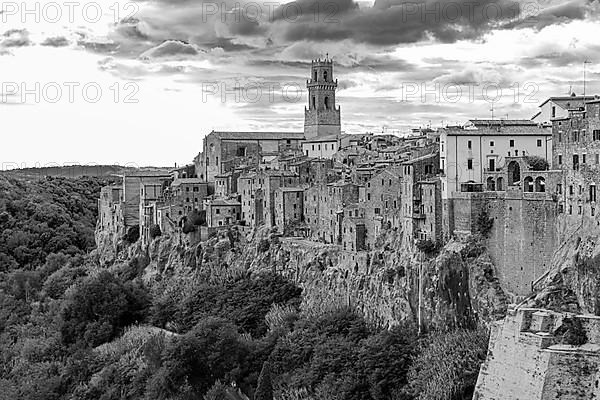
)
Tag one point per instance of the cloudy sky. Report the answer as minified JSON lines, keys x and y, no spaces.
{"x":142,"y":82}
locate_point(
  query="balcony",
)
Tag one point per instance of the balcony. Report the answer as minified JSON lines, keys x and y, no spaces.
{"x":418,"y":215}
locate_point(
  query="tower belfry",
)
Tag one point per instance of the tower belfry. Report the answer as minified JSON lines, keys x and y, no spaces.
{"x":322,"y":116}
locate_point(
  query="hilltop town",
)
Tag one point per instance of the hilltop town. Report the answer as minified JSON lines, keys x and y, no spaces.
{"x":524,"y":186}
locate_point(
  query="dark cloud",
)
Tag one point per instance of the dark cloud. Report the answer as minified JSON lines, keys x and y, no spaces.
{"x":15,"y":38}
{"x":57,"y":41}
{"x":170,"y":48}
{"x":391,"y":22}
{"x":538,"y":16}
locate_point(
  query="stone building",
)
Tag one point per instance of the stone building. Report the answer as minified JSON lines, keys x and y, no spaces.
{"x":222,"y":212}
{"x":189,"y":193}
{"x":267,"y":182}
{"x":415,"y":171}
{"x":380,"y":197}
{"x":150,"y":195}
{"x":559,"y":107}
{"x":529,"y":358}
{"x":427,"y":215}
{"x":483,"y":145}
{"x":329,"y":202}
{"x":223,"y":152}
{"x":354,"y":231}
{"x":576,"y":153}
{"x":288,"y":206}
{"x":110,"y":216}
{"x":313,"y":171}
{"x":226,"y":184}
{"x":131,"y":189}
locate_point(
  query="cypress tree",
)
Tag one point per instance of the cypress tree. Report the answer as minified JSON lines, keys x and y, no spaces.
{"x":264,"y":388}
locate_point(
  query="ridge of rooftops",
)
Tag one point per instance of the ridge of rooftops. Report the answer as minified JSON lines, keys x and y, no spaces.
{"x":477,"y":127}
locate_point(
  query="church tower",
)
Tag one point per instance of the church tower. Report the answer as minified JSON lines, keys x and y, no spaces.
{"x":322,"y":117}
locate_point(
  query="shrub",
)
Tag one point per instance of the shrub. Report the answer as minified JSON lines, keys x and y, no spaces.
{"x":155,"y":231}
{"x":484,"y":223}
{"x":264,"y":388}
{"x":263,"y":245}
{"x":133,"y":234}
{"x":98,"y":308}
{"x":427,"y":246}
{"x":537,"y":163}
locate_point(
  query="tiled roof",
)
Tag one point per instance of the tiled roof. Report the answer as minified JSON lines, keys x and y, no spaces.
{"x":223,"y":202}
{"x":183,"y":181}
{"x":532,"y":130}
{"x":422,"y":158}
{"x":502,"y":122}
{"x":330,"y":138}
{"x":258,"y":135}
{"x":569,"y":102}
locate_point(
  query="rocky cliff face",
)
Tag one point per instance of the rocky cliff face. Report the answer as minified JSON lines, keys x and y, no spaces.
{"x":458,"y":284}
{"x":573,"y":282}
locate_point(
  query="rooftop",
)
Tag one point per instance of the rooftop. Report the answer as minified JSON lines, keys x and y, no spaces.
{"x":258,"y":135}
{"x":496,"y":130}
{"x":330,"y":138}
{"x":223,"y":202}
{"x":188,"y":181}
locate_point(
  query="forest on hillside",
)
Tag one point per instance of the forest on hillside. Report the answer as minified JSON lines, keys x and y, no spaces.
{"x":70,"y":329}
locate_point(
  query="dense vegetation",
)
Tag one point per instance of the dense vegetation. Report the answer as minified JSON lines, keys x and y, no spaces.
{"x":72,"y":330}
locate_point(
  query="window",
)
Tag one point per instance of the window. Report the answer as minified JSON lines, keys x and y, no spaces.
{"x":561,"y":208}
{"x":583,"y":159}
{"x":553,"y":111}
{"x":597,"y":158}
{"x":592,"y":192}
{"x":560,"y":136}
{"x":570,"y":209}
{"x":469,"y":144}
{"x":470,"y":163}
{"x":559,"y":159}
{"x":187,"y":189}
{"x":218,"y":211}
{"x":559,"y":188}
{"x":539,"y":143}
{"x":511,"y":143}
{"x":377,"y":211}
{"x":571,"y":189}
{"x":492,"y":143}
{"x":596,"y":134}
{"x":516,"y":152}
{"x":196,"y":189}
{"x":579,"y":210}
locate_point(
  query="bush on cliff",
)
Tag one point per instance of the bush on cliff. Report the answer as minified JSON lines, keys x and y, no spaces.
{"x":155,"y":231}
{"x":133,"y":234}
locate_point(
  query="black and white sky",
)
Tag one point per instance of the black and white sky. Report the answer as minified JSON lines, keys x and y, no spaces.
{"x":141,"y":82}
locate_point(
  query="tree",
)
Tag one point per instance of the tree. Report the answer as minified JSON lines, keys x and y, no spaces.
{"x":448,"y":366}
{"x":133,"y":234}
{"x":537,"y":163}
{"x":98,"y":308}
{"x":264,"y":388}
{"x":155,"y":231}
